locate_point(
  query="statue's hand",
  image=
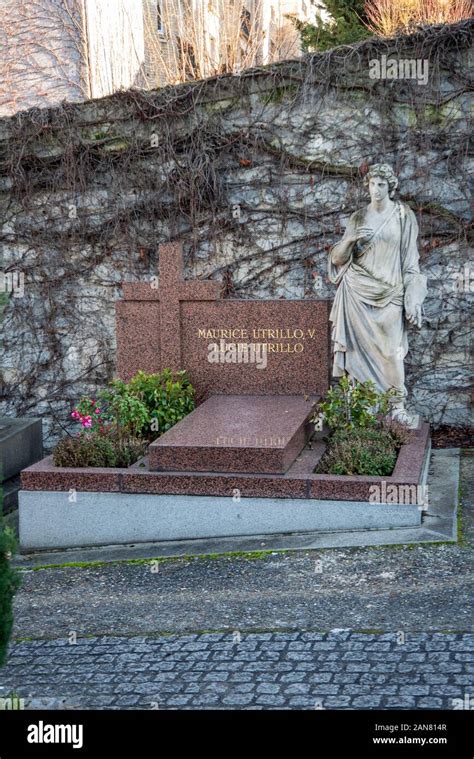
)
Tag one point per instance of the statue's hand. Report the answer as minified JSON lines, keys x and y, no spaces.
{"x":415,"y":292}
{"x":362,"y":233}
{"x":413,"y":315}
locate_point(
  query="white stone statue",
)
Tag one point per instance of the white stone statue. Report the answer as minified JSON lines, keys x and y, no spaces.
{"x":376,"y":268}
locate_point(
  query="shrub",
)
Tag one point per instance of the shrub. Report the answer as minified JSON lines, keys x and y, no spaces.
{"x":9,"y":583}
{"x":345,"y":26}
{"x":98,"y":449}
{"x":387,"y":18}
{"x":354,"y":405}
{"x":167,"y":397}
{"x":117,"y":412}
{"x":117,"y":426}
{"x":146,"y":405}
{"x":360,"y":451}
{"x":364,"y":439}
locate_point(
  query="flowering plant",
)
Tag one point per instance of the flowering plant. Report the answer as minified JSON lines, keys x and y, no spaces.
{"x":116,"y":427}
{"x":109,"y":434}
{"x":118,"y":413}
{"x":89,"y":413}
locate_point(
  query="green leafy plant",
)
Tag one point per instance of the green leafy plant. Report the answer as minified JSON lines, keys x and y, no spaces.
{"x":9,"y":583}
{"x":363,"y":438}
{"x":360,"y":451}
{"x":117,"y":425}
{"x":147,"y":405}
{"x":351,"y":405}
{"x":123,"y":410}
{"x":347,"y":24}
{"x":167,"y":397}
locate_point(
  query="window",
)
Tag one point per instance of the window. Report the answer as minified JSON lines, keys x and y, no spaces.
{"x":159,"y":18}
{"x":245,"y":22}
{"x":212,"y":49}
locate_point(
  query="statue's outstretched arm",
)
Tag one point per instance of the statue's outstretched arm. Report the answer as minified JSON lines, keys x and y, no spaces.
{"x":414,"y":282}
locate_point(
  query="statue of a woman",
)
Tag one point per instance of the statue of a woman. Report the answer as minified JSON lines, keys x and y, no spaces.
{"x":376,"y":268}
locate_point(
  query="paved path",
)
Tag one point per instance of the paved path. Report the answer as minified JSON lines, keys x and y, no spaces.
{"x":303,"y":670}
{"x":424,"y":591}
{"x":421,"y":587}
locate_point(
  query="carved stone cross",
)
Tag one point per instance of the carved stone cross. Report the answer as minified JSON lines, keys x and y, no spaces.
{"x":173,"y":323}
{"x":172,"y":290}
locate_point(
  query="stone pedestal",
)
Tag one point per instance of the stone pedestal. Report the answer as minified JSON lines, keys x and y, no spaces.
{"x":21,"y":444}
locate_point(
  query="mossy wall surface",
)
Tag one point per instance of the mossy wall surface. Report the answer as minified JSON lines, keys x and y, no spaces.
{"x":257,"y":174}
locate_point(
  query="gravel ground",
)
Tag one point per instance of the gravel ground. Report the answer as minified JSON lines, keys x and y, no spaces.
{"x":424,"y":589}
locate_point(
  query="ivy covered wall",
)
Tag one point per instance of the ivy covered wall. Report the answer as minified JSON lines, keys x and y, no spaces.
{"x":257,"y":174}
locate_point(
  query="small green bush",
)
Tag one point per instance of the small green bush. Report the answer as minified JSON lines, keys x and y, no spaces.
{"x":146,"y":406}
{"x":9,"y":583}
{"x":348,"y":23}
{"x":168,"y":397}
{"x":354,"y":405}
{"x":363,"y":439}
{"x":119,"y":423}
{"x":360,"y":451}
{"x":95,"y":449}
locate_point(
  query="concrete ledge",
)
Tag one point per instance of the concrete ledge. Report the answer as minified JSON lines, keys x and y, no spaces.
{"x":439,"y":525}
{"x":49,"y":520}
{"x":299,"y":482}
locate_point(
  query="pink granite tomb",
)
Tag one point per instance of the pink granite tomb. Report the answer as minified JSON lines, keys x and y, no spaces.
{"x":269,"y":357}
{"x":227,"y":346}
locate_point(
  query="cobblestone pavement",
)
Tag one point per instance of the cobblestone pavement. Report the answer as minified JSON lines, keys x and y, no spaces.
{"x":340,"y":669}
{"x":142,"y":640}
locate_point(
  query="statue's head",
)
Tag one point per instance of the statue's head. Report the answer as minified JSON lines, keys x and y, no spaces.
{"x":383,"y":179}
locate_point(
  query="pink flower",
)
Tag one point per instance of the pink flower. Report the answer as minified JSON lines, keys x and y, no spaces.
{"x":87,"y":421}
{"x":97,"y":411}
{"x":75,"y":414}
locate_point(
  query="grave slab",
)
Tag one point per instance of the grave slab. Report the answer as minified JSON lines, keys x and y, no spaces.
{"x":237,"y":433}
{"x":21,"y":444}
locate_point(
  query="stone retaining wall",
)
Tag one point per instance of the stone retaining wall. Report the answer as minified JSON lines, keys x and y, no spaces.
{"x":257,"y":174}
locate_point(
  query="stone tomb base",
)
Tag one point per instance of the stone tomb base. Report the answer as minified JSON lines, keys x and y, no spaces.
{"x":237,"y":433}
{"x":65,"y":507}
{"x":48,"y":520}
{"x":21,"y":444}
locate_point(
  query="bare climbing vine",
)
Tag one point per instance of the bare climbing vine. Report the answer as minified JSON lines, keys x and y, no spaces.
{"x":253,"y":172}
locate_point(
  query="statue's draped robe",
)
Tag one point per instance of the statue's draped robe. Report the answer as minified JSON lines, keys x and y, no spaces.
{"x":380,"y":277}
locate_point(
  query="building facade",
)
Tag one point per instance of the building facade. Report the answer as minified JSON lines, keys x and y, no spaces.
{"x":55,"y":50}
